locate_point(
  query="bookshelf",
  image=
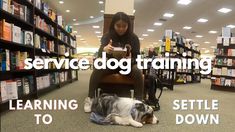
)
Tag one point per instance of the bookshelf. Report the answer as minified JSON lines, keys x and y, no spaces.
{"x":43,"y":43}
{"x":223,"y":73}
{"x":175,"y":45}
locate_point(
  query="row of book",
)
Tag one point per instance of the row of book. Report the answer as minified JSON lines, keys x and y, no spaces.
{"x":63,"y":49}
{"x":41,"y":24}
{"x":224,"y":71}
{"x":11,"y":32}
{"x":188,"y":70}
{"x":181,"y":50}
{"x":12,"y":60}
{"x":229,"y":52}
{"x":226,"y":41}
{"x":16,"y":88}
{"x":44,"y":7}
{"x":51,"y":65}
{"x":44,"y":43}
{"x":184,"y":78}
{"x":63,"y":37}
{"x":221,"y":81}
{"x":21,"y":11}
{"x":64,"y":76}
{"x":47,"y":80}
{"x":224,"y":62}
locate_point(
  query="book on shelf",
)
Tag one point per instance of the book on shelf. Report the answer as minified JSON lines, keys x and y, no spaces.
{"x":38,"y":4}
{"x":60,"y":20}
{"x":228,"y":82}
{"x":5,"y":30}
{"x":4,"y":60}
{"x":226,"y":41}
{"x":5,"y":5}
{"x":224,"y":71}
{"x":16,"y":34}
{"x":232,"y":40}
{"x":52,"y":14}
{"x":45,"y":8}
{"x":28,"y":37}
{"x":230,"y":62}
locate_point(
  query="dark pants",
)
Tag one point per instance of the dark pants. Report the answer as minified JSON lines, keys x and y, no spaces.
{"x":135,"y":74}
{"x":151,"y":86}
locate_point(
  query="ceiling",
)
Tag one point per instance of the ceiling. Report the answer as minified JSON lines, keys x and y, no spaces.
{"x":147,"y":13}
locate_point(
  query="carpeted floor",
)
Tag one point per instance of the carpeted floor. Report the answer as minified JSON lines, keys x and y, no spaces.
{"x":78,"y":121}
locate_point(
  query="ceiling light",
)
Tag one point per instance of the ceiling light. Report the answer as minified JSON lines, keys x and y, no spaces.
{"x":102,"y":11}
{"x":187,"y":27}
{"x":96,"y":26}
{"x":224,"y":10}
{"x":145,"y":35}
{"x":184,"y":2}
{"x":157,"y":24}
{"x":101,"y":2}
{"x":188,"y":39}
{"x":168,"y":15}
{"x":61,"y":2}
{"x":199,"y":36}
{"x":82,"y":39}
{"x":97,"y":32}
{"x":133,"y":11}
{"x":79,"y":36}
{"x":213,"y":47}
{"x":91,"y":17}
{"x":231,"y":26}
{"x":177,"y":32}
{"x":67,"y":10}
{"x":99,"y":36}
{"x":141,"y":38}
{"x":212,"y":32}
{"x":74,"y":20}
{"x":75,"y":31}
{"x":150,"y":30}
{"x":160,"y":40}
{"x":196,"y":44}
{"x":207,"y":42}
{"x":203,"y":48}
{"x":207,"y":51}
{"x":202,"y":20}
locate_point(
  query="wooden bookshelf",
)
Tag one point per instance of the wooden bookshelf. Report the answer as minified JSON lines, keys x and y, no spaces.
{"x":176,"y":50}
{"x":224,"y":67}
{"x":33,"y":51}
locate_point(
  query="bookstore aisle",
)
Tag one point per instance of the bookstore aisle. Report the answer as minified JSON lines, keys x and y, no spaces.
{"x":78,"y":121}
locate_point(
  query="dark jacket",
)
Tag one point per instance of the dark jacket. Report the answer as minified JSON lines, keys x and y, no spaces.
{"x":133,"y":40}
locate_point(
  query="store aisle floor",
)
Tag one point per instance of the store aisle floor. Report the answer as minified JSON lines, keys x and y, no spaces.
{"x":78,"y":121}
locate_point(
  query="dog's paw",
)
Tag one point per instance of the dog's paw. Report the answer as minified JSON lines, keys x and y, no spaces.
{"x":87,"y":104}
{"x":137,"y":124}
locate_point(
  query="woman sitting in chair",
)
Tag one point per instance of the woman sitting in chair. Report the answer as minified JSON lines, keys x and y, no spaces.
{"x":120,"y":35}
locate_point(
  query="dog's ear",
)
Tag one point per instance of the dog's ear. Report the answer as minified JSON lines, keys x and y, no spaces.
{"x":140,"y":107}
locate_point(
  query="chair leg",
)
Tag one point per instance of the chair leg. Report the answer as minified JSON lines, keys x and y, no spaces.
{"x":132,"y":93}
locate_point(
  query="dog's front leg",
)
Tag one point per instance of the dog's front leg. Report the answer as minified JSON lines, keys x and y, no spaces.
{"x":135,"y":123}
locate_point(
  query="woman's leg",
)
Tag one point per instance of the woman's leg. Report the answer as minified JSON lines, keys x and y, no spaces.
{"x":95,"y":78}
{"x":137,"y":75}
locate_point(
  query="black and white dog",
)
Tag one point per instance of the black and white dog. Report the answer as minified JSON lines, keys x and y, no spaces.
{"x":111,"y":109}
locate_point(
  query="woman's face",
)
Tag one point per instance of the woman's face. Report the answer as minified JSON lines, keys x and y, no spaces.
{"x":120,"y":27}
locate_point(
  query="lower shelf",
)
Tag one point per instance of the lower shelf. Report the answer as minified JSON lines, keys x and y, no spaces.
{"x":223,"y":88}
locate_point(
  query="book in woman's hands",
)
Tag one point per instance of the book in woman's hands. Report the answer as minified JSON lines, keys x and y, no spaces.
{"x":119,"y":52}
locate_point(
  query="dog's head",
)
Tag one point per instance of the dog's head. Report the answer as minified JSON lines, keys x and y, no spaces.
{"x":144,"y":114}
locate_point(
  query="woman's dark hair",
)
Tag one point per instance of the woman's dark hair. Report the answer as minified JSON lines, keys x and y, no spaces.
{"x":124,"y":17}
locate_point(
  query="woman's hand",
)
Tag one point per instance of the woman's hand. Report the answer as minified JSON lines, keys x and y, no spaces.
{"x":108,"y":48}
